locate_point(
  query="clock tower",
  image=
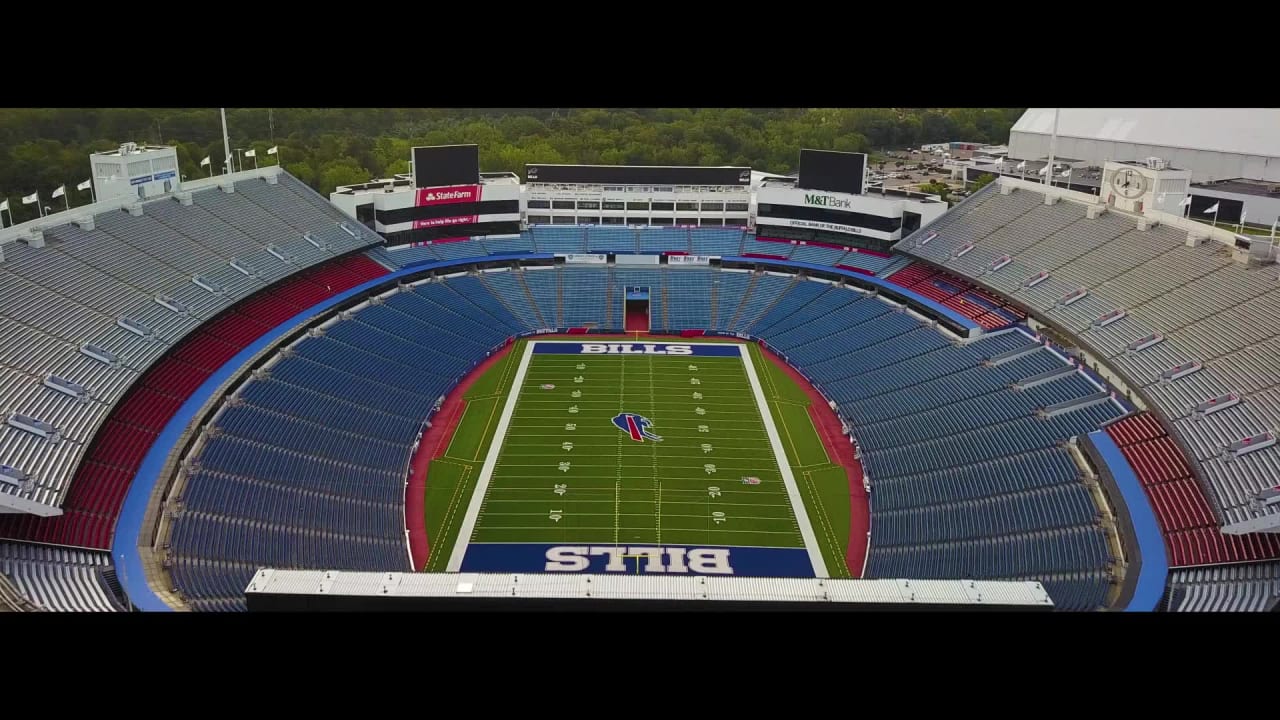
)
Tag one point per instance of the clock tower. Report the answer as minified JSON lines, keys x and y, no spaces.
{"x":1148,"y":185}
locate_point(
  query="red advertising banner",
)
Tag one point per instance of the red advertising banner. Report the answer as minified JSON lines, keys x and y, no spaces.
{"x":446,"y":196}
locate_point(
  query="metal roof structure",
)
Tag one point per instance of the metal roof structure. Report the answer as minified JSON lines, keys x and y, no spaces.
{"x":1244,"y":131}
{"x":797,"y":593}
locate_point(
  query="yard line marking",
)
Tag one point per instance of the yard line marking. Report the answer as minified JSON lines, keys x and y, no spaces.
{"x":455,"y":500}
{"x":657,"y":485}
{"x":578,"y":490}
{"x":701,"y":530}
{"x":617,"y":485}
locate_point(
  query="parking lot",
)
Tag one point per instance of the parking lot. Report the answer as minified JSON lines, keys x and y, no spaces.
{"x":909,"y":170}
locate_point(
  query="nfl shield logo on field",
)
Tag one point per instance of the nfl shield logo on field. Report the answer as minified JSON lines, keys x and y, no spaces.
{"x":548,"y":386}
{"x":751,"y":480}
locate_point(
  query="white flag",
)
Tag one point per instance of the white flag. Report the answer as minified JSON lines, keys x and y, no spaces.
{"x":205,"y":161}
{"x":274,"y":149}
{"x":1185,"y":201}
{"x":251,"y":153}
{"x":62,"y":190}
{"x":1044,"y":170}
{"x":1213,"y":209}
{"x":4,"y":205}
{"x":1022,"y":165}
{"x":1065,"y":173}
{"x":85,"y":185}
{"x":33,"y":197}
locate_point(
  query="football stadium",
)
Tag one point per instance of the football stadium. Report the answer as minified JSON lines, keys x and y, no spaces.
{"x":593,"y":386}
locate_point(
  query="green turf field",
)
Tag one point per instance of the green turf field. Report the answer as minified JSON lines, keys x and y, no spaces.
{"x":566,"y":474}
{"x":686,"y":490}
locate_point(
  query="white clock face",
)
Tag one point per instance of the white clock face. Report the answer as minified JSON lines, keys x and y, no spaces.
{"x":1129,"y":183}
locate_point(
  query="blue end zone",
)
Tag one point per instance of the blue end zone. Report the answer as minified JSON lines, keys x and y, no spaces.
{"x":611,"y":559}
{"x":625,"y":348}
{"x":1155,"y":563}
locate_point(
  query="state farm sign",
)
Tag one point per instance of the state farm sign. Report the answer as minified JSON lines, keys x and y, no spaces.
{"x":447,"y":195}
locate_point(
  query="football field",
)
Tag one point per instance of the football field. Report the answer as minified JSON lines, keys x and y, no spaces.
{"x":637,"y":458}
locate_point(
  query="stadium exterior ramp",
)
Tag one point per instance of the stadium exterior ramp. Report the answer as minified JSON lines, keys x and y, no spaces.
{"x":323,"y":590}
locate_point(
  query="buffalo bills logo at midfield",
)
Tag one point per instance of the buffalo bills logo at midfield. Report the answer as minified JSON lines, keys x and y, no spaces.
{"x":637,"y":426}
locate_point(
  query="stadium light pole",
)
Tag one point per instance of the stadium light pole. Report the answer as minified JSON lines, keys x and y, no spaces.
{"x":226,"y":139}
{"x":1053,"y":143}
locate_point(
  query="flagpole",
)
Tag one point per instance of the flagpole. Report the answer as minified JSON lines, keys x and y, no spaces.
{"x":65,"y":201}
{"x":1053,"y":145}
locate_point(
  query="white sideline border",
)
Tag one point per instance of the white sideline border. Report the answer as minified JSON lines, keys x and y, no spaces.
{"x":784,"y":467}
{"x":463,"y":540}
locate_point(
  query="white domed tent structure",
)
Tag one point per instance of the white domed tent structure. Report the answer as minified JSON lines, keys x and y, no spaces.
{"x":1214,"y":143}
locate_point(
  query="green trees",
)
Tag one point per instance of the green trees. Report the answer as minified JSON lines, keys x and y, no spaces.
{"x":983,"y":180}
{"x":937,"y":188}
{"x":41,"y":148}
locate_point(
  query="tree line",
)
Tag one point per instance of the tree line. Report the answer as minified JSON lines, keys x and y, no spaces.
{"x":42,"y":148}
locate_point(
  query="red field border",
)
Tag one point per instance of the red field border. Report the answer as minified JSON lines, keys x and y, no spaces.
{"x":840,"y":450}
{"x":436,"y":440}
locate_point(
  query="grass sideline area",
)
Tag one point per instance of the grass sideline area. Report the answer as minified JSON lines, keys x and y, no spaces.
{"x":637,"y":492}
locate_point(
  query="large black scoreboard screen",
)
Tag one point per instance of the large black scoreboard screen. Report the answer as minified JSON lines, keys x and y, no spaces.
{"x":832,"y":171}
{"x":446,"y":165}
